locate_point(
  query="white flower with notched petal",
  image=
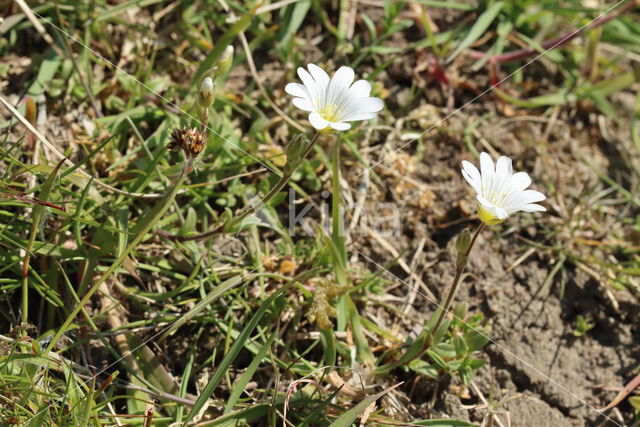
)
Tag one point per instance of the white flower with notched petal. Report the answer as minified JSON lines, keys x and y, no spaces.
{"x":500,"y":192}
{"x":333,"y":101}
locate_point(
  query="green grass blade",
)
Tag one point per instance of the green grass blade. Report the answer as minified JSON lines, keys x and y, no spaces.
{"x":140,"y":230}
{"x":350,"y":416}
{"x":234,"y":350}
{"x":224,"y":41}
{"x":208,"y":299}
{"x":38,"y":212}
{"x":480,"y":26}
{"x":240,"y":385}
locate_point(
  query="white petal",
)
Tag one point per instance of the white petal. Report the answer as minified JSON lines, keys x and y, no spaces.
{"x":310,"y":85}
{"x":369,"y":105}
{"x":337,"y":91}
{"x":531,"y":196}
{"x":303,"y":104}
{"x":353,"y":108}
{"x":339,"y":125}
{"x":472,"y":175}
{"x":532,"y":207}
{"x":317,"y":121}
{"x":343,"y":77}
{"x":358,"y":116}
{"x":520,"y":181}
{"x":487,"y":171}
{"x":502,"y":178}
{"x":360,"y":89}
{"x":501,"y":213}
{"x":296,"y":89}
{"x":503,"y":168}
{"x":514,"y":201}
{"x":320,"y":76}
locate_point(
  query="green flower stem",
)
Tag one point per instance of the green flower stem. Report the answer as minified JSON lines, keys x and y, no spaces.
{"x":141,"y":228}
{"x":456,"y":281}
{"x":337,"y":221}
{"x":284,"y":179}
{"x":423,"y":341}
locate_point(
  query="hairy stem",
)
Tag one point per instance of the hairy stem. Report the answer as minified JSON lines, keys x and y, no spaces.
{"x":456,"y":281}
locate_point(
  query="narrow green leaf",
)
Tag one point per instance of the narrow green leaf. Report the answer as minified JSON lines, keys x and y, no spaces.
{"x":208,"y":299}
{"x":242,"y":417}
{"x":350,"y":416}
{"x":294,"y":16}
{"x":238,"y":345}
{"x":362,"y":345}
{"x":478,"y":29}
{"x":241,"y":384}
{"x":442,"y":423}
{"x":561,"y":97}
{"x":36,"y":220}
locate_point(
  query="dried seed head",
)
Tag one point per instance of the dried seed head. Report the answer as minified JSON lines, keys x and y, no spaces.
{"x":189,"y":140}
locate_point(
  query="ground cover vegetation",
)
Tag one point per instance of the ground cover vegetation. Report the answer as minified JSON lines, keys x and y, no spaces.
{"x":311,"y":212}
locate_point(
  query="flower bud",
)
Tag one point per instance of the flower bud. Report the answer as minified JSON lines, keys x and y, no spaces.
{"x":206,"y":87}
{"x":206,"y":93}
{"x":294,"y":151}
{"x":224,"y":63}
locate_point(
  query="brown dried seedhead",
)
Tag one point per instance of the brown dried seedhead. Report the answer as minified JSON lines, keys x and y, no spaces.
{"x":189,"y":140}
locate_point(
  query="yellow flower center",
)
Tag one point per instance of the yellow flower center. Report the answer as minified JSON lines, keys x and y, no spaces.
{"x":329,"y":113}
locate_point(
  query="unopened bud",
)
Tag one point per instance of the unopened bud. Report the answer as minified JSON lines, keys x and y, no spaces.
{"x":206,"y":93}
{"x":462,"y":246}
{"x":224,"y":63}
{"x":206,"y":87}
{"x":295,"y":151}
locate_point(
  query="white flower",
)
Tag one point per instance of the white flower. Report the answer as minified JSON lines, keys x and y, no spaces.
{"x":332,"y":102}
{"x":500,"y":192}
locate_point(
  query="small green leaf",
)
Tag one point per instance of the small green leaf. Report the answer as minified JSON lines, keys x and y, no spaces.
{"x":424,"y":368}
{"x":445,"y":350}
{"x":437,"y":359}
{"x":460,"y":345}
{"x":475,"y":340}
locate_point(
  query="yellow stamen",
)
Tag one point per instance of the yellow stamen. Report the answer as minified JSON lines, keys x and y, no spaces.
{"x":328,"y":113}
